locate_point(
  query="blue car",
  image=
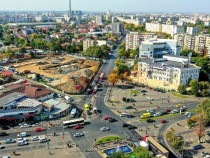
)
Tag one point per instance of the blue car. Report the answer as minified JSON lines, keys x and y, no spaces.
{"x":198,"y":147}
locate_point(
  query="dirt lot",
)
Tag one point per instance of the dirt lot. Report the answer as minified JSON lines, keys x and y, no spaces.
{"x":60,"y":69}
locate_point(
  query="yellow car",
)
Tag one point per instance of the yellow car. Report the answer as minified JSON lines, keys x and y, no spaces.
{"x":179,"y":105}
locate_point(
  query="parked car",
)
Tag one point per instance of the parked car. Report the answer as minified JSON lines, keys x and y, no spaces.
{"x":157,"y":114}
{"x":25,"y":126}
{"x":38,"y":129}
{"x":183,"y":108}
{"x":8,"y":141}
{"x":43,"y":140}
{"x":1,"y":146}
{"x":142,"y":94}
{"x":78,"y":134}
{"x":77,"y":127}
{"x":23,"y":143}
{"x":35,"y":138}
{"x":123,"y":115}
{"x":174,"y":111}
{"x":36,"y":125}
{"x":132,"y":100}
{"x":130,"y":116}
{"x":128,"y":107}
{"x":208,"y":133}
{"x":3,"y":134}
{"x":112,"y":120}
{"x":106,"y":117}
{"x":150,"y":110}
{"x":163,"y":121}
{"x":149,"y":98}
{"x":105,"y":129}
{"x":162,"y":113}
{"x":4,"y":127}
{"x":167,"y":110}
{"x":150,"y":120}
{"x":197,"y":147}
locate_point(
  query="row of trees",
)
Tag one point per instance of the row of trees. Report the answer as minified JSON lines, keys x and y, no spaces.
{"x":97,"y":51}
{"x":137,"y":28}
{"x":196,"y":88}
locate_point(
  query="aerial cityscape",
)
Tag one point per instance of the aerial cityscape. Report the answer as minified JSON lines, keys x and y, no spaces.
{"x":105,"y":79}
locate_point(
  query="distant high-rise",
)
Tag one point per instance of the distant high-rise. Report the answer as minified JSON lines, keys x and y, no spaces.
{"x":70,"y":8}
{"x":117,"y":29}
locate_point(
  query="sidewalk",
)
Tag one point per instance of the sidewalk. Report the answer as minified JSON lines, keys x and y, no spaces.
{"x":52,"y":153}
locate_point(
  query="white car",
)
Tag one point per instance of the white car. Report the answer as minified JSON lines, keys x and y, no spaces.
{"x":105,"y":129}
{"x":123,"y":115}
{"x":183,"y":108}
{"x":23,"y":134}
{"x":43,"y":140}
{"x":150,"y":110}
{"x":23,"y":143}
{"x":174,"y":111}
{"x":149,"y":98}
{"x":21,"y":140}
{"x":36,"y":125}
{"x":35,"y":138}
{"x":78,"y":134}
{"x":25,"y":126}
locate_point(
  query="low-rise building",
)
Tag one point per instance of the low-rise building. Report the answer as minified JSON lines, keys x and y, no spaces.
{"x":158,"y":47}
{"x":168,"y":72}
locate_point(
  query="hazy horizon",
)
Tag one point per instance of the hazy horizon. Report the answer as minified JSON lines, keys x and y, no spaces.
{"x":167,"y":6}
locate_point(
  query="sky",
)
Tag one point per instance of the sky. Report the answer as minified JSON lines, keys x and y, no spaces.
{"x":113,"y":5}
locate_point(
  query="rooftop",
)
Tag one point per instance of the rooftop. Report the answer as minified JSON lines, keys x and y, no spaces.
{"x":10,"y":98}
{"x":29,"y":103}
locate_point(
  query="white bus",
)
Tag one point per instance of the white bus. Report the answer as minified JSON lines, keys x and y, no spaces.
{"x":73,"y":112}
{"x":72,"y":123}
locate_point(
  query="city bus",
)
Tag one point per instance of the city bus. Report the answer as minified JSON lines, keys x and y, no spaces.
{"x":72,"y":123}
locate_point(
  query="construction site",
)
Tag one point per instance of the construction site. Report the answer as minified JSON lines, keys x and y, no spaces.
{"x":66,"y":73}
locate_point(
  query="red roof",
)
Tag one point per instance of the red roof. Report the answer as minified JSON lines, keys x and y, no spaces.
{"x":7,"y":73}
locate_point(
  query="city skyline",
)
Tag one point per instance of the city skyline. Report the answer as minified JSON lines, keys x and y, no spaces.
{"x":116,"y":6}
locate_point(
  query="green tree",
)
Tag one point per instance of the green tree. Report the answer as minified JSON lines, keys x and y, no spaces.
{"x":203,"y":76}
{"x":195,"y":87}
{"x":205,"y":92}
{"x":204,"y":106}
{"x":182,"y":89}
{"x":186,"y":52}
{"x":140,"y":152}
{"x":22,"y":50}
{"x":119,"y":154}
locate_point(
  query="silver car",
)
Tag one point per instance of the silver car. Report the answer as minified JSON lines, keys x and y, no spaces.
{"x":105,"y":129}
{"x":78,"y":134}
{"x":174,"y":111}
{"x":157,"y":114}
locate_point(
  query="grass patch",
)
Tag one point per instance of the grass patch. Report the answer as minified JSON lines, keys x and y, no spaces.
{"x":158,"y":117}
{"x":133,"y":91}
{"x":180,"y":95}
{"x":107,"y":139}
{"x":113,"y":101}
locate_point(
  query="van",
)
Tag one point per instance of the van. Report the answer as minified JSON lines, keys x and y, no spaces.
{"x":146,"y":115}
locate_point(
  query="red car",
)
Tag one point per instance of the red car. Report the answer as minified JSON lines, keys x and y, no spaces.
{"x":38,"y":129}
{"x":163,"y":121}
{"x":168,"y":110}
{"x":106,"y":117}
{"x":77,"y":127}
{"x":94,"y":92}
